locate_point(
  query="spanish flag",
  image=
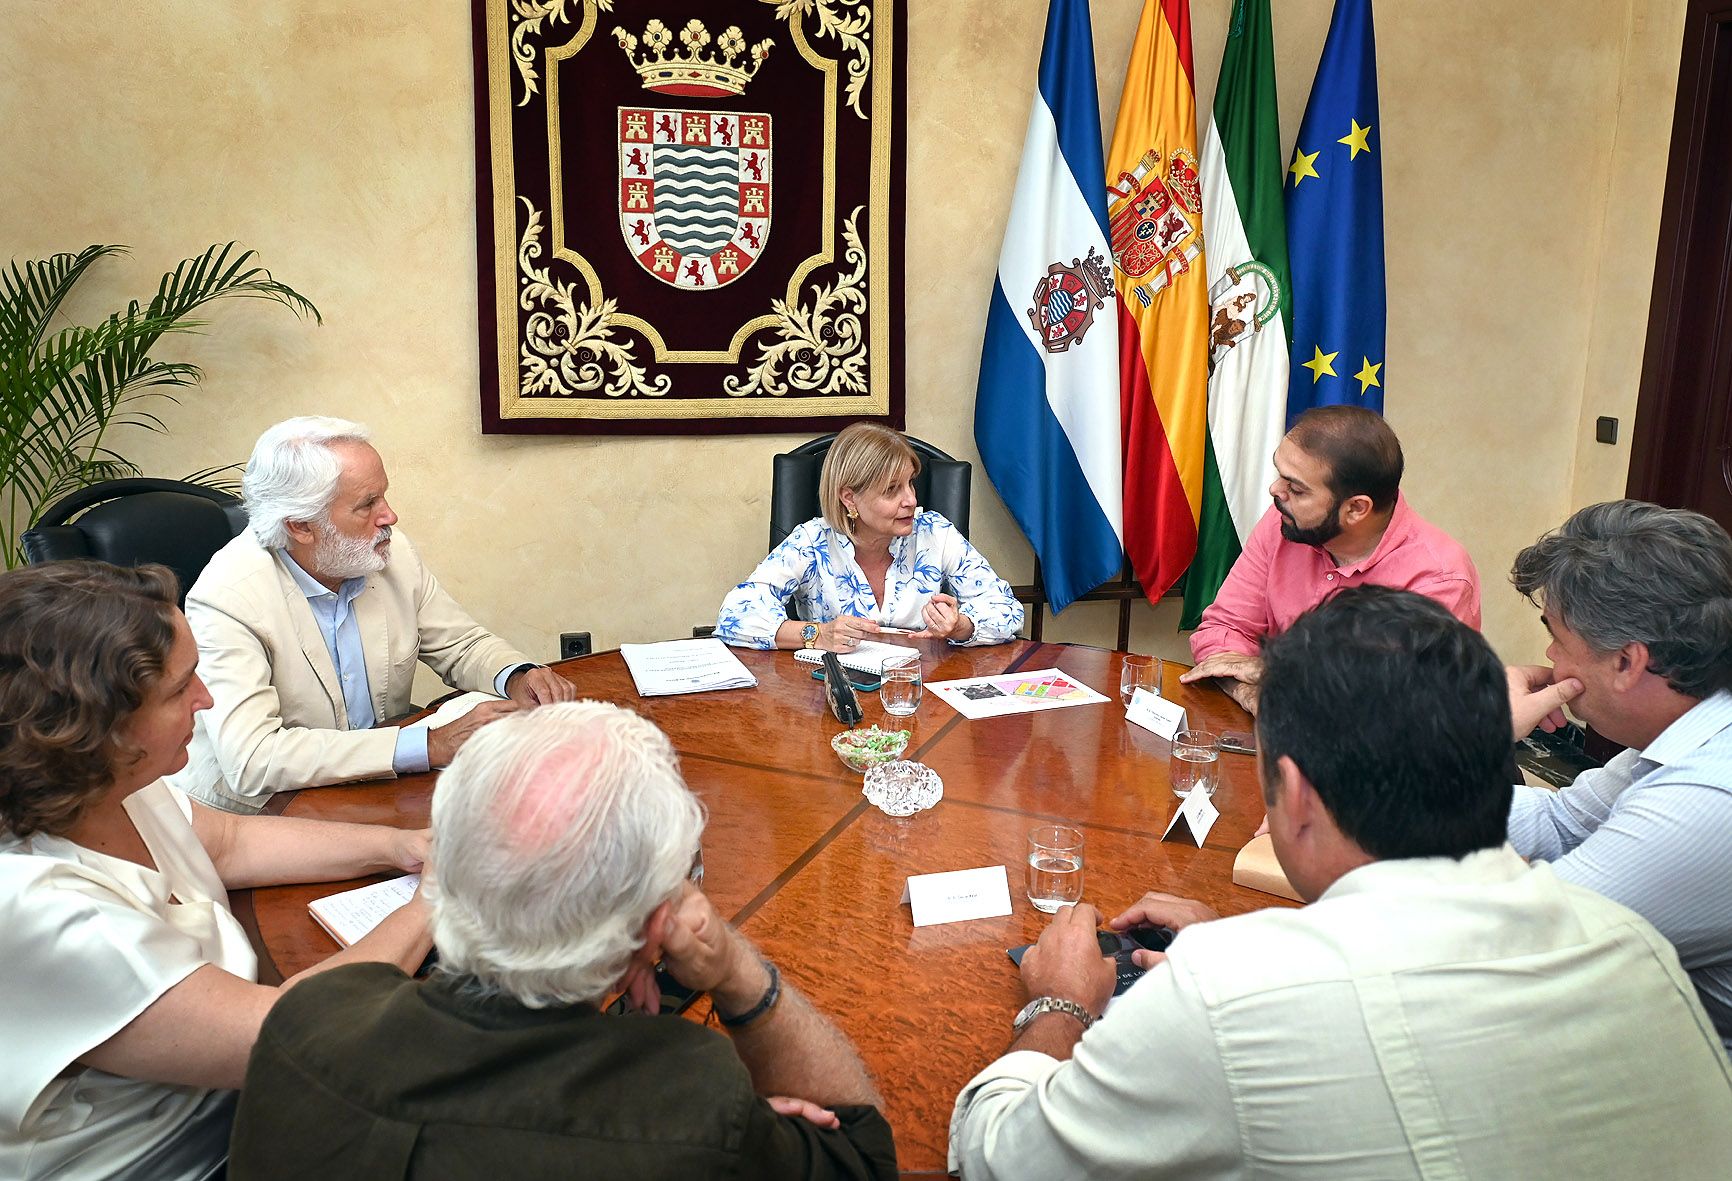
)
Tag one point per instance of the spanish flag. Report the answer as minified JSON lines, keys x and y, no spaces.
{"x":1155,"y":216}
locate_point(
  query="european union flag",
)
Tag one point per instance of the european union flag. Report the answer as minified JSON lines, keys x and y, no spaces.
{"x":1335,"y":225}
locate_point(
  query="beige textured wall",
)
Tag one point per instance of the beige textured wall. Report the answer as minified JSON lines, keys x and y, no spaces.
{"x":1525,"y":149}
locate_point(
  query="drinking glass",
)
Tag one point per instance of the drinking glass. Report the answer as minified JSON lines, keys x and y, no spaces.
{"x":1195,"y":762}
{"x":901,"y":689}
{"x":1139,"y":672}
{"x":1055,"y":867}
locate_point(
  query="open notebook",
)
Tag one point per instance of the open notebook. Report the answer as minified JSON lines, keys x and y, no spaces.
{"x":869,"y":657}
{"x":350,"y":915}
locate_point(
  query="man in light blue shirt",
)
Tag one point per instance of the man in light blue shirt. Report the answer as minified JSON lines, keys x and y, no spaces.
{"x":310,"y":625}
{"x":334,"y":612}
{"x":1638,"y":601}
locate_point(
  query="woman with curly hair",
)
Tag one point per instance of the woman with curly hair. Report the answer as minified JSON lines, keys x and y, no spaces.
{"x":128,"y":994}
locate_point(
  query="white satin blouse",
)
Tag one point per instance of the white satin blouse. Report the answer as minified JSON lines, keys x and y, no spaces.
{"x":87,"y":943}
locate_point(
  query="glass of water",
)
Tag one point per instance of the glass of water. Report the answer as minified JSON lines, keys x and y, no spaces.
{"x":1055,"y":867}
{"x":1195,"y":762}
{"x":901,"y":689}
{"x":1139,"y":672}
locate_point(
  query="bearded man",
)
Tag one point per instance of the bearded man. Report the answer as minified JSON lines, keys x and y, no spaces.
{"x":1338,"y":519}
{"x":309,"y":626}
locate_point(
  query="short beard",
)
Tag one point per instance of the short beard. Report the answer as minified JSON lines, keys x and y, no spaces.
{"x":1320,"y":534}
{"x":343,"y":558}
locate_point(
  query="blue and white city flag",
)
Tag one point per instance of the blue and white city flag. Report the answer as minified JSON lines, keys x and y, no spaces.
{"x":1335,"y":225}
{"x":1046,"y":415}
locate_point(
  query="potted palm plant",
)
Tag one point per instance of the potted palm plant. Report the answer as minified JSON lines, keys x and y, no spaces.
{"x":63,"y":392}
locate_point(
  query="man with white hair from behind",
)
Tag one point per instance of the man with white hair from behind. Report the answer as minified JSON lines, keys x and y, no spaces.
{"x":562,"y":841}
{"x":309,"y":626}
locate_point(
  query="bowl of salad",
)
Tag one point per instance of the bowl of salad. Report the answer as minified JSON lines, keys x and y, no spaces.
{"x":869,"y":747}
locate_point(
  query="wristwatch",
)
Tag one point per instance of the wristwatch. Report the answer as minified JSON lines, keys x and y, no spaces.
{"x":809,"y":634}
{"x":1051,"y":1004}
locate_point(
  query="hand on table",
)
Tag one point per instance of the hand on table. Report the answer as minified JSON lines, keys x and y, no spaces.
{"x":1155,"y":909}
{"x":945,"y":621}
{"x":444,"y":743}
{"x":1067,"y":962}
{"x":1240,"y":676}
{"x":1536,"y":699}
{"x":844,"y":633}
{"x":530,"y":687}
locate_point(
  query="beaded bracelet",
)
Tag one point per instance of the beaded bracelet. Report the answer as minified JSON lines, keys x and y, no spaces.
{"x":765,"y":1003}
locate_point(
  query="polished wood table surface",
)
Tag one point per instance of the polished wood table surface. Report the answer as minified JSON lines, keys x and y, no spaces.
{"x":813,"y":873}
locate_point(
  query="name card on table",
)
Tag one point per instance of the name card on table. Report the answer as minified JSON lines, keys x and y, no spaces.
{"x":1153,"y":712}
{"x":934,"y":898}
{"x":1196,"y":816}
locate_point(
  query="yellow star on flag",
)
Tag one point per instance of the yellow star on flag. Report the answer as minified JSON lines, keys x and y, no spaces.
{"x":1355,"y":140}
{"x":1321,"y":364}
{"x":1303,"y":166}
{"x":1367,"y":375}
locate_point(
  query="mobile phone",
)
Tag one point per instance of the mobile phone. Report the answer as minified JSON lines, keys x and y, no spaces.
{"x":864,"y":682}
{"x":1239,"y":742}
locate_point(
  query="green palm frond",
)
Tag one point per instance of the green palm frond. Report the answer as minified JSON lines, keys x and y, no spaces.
{"x":62,"y":392}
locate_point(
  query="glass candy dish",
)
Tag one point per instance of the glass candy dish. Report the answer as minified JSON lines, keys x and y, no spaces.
{"x":902,"y":788}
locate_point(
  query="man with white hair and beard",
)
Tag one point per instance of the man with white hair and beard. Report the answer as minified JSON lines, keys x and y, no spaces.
{"x":309,"y":625}
{"x":562,"y":843}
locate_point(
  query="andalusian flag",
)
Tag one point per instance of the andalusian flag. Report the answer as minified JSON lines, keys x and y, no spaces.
{"x":1155,"y":210}
{"x":1248,"y":301}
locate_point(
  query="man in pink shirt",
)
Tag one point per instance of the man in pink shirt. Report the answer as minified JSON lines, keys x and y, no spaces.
{"x":1339,"y":519}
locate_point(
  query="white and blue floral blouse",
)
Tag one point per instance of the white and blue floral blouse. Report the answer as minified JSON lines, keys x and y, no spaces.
{"x":816,"y":567}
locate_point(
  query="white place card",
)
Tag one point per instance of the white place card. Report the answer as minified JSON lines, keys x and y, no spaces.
{"x":1196,"y":816}
{"x":982,"y":893}
{"x":1153,"y":712}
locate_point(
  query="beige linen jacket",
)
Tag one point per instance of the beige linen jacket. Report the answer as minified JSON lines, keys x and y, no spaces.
{"x":278,"y":721}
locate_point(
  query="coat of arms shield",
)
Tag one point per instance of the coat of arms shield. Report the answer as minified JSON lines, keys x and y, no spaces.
{"x":694,"y":193}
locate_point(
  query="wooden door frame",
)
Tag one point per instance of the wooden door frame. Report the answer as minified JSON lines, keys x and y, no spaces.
{"x":1704,"y":24}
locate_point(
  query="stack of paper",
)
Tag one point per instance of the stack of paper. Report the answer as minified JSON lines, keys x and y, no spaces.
{"x":685,"y":666}
{"x":353,"y":913}
{"x":452,"y":710}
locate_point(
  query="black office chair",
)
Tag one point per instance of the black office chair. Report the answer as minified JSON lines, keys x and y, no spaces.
{"x":132,"y":522}
{"x":942,"y":485}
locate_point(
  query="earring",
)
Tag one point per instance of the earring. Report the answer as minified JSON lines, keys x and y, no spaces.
{"x":852,"y":515}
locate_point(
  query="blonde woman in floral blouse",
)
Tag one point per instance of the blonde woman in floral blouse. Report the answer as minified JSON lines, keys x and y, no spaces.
{"x":873,"y":561}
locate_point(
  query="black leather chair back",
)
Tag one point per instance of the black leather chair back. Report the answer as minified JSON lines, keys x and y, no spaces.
{"x":133,"y":522}
{"x":942,"y":485}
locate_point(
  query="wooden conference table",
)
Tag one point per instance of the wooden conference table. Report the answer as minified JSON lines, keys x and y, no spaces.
{"x":813,"y":874}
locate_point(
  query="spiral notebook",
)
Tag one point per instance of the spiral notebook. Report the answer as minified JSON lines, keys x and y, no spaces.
{"x":869,"y":657}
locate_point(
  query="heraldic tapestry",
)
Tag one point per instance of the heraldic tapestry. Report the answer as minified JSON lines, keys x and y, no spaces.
{"x":690,"y":214}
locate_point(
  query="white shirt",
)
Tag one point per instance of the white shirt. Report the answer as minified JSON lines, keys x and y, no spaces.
{"x":1423,"y":1019}
{"x":87,"y":943}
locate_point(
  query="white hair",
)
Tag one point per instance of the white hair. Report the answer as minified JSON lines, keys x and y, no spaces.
{"x":556,"y":834}
{"x":292,"y":475}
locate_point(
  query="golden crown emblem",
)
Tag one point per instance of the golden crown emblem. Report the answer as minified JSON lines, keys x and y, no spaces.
{"x":694,"y":72}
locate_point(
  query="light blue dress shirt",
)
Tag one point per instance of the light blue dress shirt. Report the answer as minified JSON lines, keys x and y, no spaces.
{"x":1651,"y":830}
{"x":334,"y":612}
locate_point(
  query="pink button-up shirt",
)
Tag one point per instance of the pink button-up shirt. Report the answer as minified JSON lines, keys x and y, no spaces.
{"x":1275,"y":580}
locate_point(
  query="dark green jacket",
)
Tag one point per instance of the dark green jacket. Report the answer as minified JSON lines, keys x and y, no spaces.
{"x":362,"y":1072}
